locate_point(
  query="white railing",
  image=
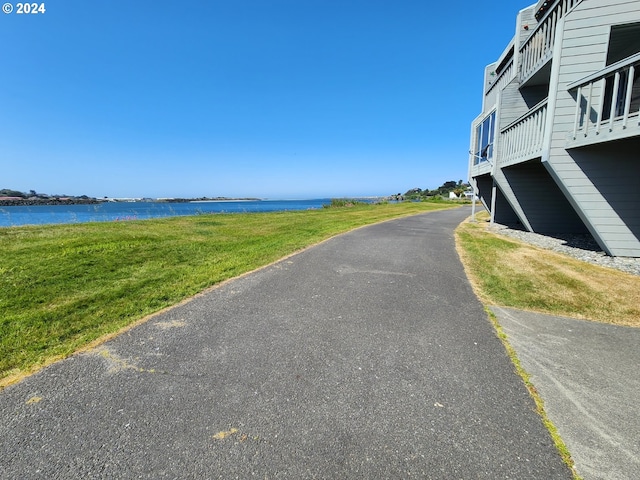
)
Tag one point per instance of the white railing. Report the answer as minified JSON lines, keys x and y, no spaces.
{"x":538,"y":48}
{"x":522,"y":139}
{"x":503,"y":78}
{"x":608,"y":100}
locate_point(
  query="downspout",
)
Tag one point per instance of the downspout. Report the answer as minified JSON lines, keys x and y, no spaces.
{"x":473,"y":183}
{"x":496,"y":155}
{"x":494,"y":191}
{"x":473,"y":206}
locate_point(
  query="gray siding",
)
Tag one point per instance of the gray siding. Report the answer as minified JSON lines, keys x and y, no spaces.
{"x":599,"y":181}
{"x":484,"y":184}
{"x":512,"y":104}
{"x":613,"y":187}
{"x":593,"y":187}
{"x":508,"y":208}
{"x":505,"y":215}
{"x":489,"y":100}
{"x":542,"y":205}
{"x":525,"y":17}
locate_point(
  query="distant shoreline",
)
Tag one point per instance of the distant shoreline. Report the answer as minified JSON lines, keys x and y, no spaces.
{"x":18,"y":202}
{"x":226,"y":200}
{"x":30,"y":202}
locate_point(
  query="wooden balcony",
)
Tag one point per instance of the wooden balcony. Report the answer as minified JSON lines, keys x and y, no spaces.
{"x":538,"y":48}
{"x":607,"y":104}
{"x":522,"y":139}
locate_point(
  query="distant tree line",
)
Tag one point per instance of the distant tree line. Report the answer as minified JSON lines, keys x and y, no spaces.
{"x":7,"y":192}
{"x":14,"y":197}
{"x":443,"y":190}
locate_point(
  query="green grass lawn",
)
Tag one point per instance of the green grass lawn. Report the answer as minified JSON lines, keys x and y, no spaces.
{"x":64,"y":286}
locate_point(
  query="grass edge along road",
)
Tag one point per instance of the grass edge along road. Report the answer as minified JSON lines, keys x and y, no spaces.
{"x":563,"y":451}
{"x":66,"y":287}
{"x":509,"y":273}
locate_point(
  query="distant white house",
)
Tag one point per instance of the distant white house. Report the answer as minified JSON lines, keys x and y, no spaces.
{"x":557,"y":144}
{"x":469,"y":194}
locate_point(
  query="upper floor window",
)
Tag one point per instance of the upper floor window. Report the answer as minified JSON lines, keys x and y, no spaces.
{"x":485,"y":134}
{"x":624,"y":42}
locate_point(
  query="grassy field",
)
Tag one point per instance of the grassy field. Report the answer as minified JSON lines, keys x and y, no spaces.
{"x":64,"y":286}
{"x":513,"y":274}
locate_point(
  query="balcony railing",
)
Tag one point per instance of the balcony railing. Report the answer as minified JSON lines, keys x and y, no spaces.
{"x":522,"y":139}
{"x":502,"y":79}
{"x":608,"y":102}
{"x":538,"y":48}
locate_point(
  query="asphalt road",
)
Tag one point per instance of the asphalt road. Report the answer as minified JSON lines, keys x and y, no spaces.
{"x":367,"y":356}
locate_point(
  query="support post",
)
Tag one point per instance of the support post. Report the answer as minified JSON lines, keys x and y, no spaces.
{"x":473,"y":206}
{"x":494,"y":190}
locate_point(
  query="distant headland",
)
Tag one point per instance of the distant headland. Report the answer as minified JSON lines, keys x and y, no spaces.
{"x":10,"y":197}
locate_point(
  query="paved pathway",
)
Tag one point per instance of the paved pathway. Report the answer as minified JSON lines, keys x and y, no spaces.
{"x":588,"y":375}
{"x":367,"y":356}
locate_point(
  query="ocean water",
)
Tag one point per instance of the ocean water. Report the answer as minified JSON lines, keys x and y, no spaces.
{"x":123,"y":211}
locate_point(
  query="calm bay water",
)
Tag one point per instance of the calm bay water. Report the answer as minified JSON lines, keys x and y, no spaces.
{"x":122,"y":211}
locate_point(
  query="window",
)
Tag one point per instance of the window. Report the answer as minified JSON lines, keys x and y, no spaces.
{"x":485,"y":133}
{"x":624,"y":41}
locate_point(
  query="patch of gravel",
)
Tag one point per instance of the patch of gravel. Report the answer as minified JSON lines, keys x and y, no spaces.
{"x":580,"y":246}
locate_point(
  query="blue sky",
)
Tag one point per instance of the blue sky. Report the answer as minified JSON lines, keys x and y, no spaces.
{"x":264,"y":98}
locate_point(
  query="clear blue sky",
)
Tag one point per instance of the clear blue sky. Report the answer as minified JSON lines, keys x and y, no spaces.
{"x":266,"y":98}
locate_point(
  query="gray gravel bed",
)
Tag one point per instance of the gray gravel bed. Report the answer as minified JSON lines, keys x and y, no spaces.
{"x":580,"y":246}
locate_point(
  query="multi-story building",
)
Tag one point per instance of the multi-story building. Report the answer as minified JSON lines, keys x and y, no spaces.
{"x":557,"y":145}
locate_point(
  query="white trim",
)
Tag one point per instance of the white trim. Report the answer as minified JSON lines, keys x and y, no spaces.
{"x":553,"y":90}
{"x":605,"y":71}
